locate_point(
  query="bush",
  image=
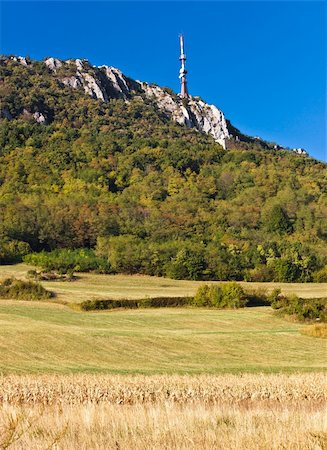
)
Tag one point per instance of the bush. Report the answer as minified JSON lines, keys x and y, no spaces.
{"x":159,"y":302}
{"x":68,"y":261}
{"x":12,"y":251}
{"x":274,"y":297}
{"x":301,"y":308}
{"x":320,"y":276}
{"x":260,"y":274}
{"x":23,"y":290}
{"x":229,"y":295}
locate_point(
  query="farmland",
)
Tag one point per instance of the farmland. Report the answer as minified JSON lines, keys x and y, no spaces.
{"x":156,"y":378}
{"x":40,"y":337}
{"x":51,"y":337}
{"x":175,"y":412}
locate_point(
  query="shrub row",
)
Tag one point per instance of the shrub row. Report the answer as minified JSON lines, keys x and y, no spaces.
{"x":301,"y":308}
{"x":12,"y":251}
{"x":229,"y":295}
{"x":158,"y":302}
{"x":23,"y":290}
{"x":179,"y":259}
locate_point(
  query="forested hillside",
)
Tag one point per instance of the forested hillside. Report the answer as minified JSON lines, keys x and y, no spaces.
{"x":146,"y":194}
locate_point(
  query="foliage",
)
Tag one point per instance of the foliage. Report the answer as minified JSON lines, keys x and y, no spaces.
{"x":69,"y":261}
{"x":278,"y":220}
{"x":320,"y":276}
{"x":148,"y":195}
{"x":302,"y":309}
{"x":12,"y":251}
{"x":158,"y":302}
{"x":23,"y":290}
{"x":229,"y":295}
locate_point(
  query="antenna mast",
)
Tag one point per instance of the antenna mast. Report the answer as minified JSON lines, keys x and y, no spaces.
{"x":183,"y":71}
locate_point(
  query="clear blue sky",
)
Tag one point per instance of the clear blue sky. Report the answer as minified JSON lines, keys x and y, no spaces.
{"x":263,"y":63}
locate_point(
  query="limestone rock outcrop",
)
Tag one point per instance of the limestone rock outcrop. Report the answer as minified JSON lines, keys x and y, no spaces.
{"x":105,"y":82}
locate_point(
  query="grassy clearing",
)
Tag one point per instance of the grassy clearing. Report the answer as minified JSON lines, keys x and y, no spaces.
{"x":89,"y":286}
{"x":206,"y":412}
{"x":41,"y":337}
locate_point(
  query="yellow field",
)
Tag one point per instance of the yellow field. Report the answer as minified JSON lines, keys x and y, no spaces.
{"x":89,"y":286}
{"x":225,"y":412}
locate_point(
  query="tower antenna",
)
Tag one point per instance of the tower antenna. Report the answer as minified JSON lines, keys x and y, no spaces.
{"x":183,"y":71}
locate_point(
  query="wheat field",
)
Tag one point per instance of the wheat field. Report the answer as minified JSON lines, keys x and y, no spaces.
{"x":163,"y":412}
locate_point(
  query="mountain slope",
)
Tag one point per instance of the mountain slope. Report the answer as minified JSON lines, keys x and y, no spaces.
{"x":118,"y":175}
{"x":105,"y":83}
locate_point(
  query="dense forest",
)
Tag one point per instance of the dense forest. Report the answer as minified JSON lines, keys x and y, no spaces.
{"x":120,"y":185}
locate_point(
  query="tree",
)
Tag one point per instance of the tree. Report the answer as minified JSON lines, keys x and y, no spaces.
{"x":278,"y":221}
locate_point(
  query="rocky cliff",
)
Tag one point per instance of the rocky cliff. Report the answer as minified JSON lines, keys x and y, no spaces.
{"x":105,"y":83}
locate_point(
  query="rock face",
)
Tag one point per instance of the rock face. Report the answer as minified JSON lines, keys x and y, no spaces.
{"x":105,"y":83}
{"x":53,"y":63}
{"x":193,"y":113}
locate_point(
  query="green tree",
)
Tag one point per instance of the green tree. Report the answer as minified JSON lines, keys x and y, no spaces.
{"x":278,"y":221}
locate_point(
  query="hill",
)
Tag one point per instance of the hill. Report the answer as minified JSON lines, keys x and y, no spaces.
{"x":92,"y":159}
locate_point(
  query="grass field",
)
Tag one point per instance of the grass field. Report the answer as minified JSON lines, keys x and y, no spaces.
{"x":89,"y":286}
{"x":41,"y":337}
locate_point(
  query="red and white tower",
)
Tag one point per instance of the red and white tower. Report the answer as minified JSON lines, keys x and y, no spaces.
{"x":183,"y":71}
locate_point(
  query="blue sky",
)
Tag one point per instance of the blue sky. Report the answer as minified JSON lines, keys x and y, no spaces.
{"x":263,"y":63}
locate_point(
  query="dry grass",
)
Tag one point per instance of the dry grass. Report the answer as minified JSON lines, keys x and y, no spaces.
{"x":89,"y":286}
{"x":316,"y":330}
{"x":108,"y":412}
{"x":156,"y":427}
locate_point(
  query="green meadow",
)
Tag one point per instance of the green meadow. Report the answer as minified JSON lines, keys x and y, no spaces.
{"x":37,"y":337}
